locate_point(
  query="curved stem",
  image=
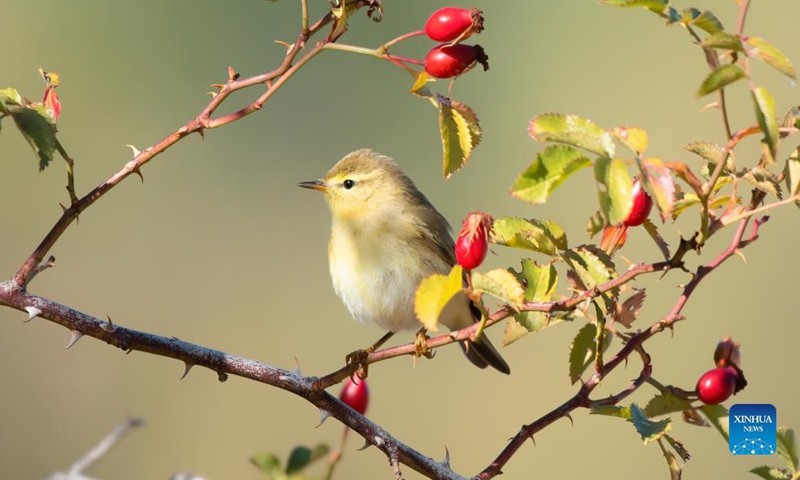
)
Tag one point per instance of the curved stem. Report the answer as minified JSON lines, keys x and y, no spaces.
{"x":385,"y":47}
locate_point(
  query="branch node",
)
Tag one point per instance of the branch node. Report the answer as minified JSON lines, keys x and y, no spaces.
{"x":33,"y":312}
{"x":222,"y":376}
{"x":187,"y":368}
{"x":76,"y":335}
{"x":379,"y":441}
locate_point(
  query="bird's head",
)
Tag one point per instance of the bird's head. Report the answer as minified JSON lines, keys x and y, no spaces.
{"x":363,"y":184}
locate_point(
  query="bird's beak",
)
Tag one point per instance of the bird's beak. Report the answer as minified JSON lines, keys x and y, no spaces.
{"x":314,"y":185}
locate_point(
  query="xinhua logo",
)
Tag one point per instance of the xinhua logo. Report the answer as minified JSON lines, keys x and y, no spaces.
{"x":753,"y":429}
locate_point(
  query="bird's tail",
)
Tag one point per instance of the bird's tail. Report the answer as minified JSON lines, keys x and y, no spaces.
{"x":482,"y":353}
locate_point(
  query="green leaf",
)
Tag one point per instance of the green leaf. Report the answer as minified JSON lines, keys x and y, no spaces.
{"x":763,"y":179}
{"x":717,"y":415}
{"x":704,"y":20}
{"x":792,"y":173}
{"x":656,"y":6}
{"x":720,"y":78}
{"x":434,"y":293}
{"x":571,"y":130}
{"x":723,"y":41}
{"x":540,"y":285}
{"x":36,"y":125}
{"x":267,"y":463}
{"x":302,"y":456}
{"x":9,"y":97}
{"x":592,"y":265}
{"x":634,"y":139}
{"x":648,"y":429}
{"x":765,"y":113}
{"x":614,"y":189}
{"x":596,"y":224}
{"x":659,"y":184}
{"x":787,"y":448}
{"x":552,"y":166}
{"x":544,"y":236}
{"x":664,"y":404}
{"x":461,"y":133}
{"x":771,"y":473}
{"x":582,"y":350}
{"x":709,"y":151}
{"x":499,"y":283}
{"x":772,"y":56}
{"x":611,"y":411}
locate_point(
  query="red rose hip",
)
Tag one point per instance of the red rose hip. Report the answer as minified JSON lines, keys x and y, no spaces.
{"x":717,"y":385}
{"x":473,"y":240}
{"x":450,"y":23}
{"x":445,"y":61}
{"x":355,"y":394}
{"x":642,"y":204}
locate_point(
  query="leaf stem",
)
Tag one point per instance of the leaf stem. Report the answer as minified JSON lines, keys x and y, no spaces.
{"x":73,"y":198}
{"x":385,"y":47}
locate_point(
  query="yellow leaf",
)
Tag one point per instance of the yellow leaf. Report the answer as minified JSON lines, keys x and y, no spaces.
{"x":500,"y":283}
{"x":433,"y":294}
{"x":460,"y":132}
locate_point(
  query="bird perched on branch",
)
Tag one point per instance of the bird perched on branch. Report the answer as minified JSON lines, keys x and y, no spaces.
{"x":386,"y":237}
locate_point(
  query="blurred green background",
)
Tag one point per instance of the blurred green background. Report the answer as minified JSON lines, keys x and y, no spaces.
{"x":219,"y":247}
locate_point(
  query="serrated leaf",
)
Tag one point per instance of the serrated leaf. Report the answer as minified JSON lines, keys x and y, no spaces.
{"x":544,"y":236}
{"x":611,"y":411}
{"x":552,"y":166}
{"x":582,"y":351}
{"x":656,"y":6}
{"x":571,"y":130}
{"x":540,"y":284}
{"x":685,"y":173}
{"x":679,"y":448}
{"x":717,"y":415}
{"x":720,"y":78}
{"x":772,"y":56}
{"x":652,"y":230}
{"x":787,"y":448}
{"x":267,"y":463}
{"x":36,"y":125}
{"x":723,"y":41}
{"x":771,"y":473}
{"x":302,"y":456}
{"x":704,"y":20}
{"x":792,"y":173}
{"x":648,"y":429}
{"x":501,"y":284}
{"x":633,"y":138}
{"x":764,"y":180}
{"x":659,"y":184}
{"x":615,"y":189}
{"x":434,"y":293}
{"x":596,"y":224}
{"x":664,"y":404}
{"x":709,"y":151}
{"x":593,"y":267}
{"x":765,"y":113}
{"x":9,"y":97}
{"x":628,"y":310}
{"x":460,"y":131}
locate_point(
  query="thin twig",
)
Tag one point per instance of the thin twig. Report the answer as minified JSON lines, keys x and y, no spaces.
{"x":102,"y":448}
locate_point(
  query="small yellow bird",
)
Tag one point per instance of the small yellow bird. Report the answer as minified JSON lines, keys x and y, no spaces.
{"x":386,"y":237}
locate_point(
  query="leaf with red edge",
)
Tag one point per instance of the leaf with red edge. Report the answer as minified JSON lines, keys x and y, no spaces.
{"x":659,"y":184}
{"x":685,"y":173}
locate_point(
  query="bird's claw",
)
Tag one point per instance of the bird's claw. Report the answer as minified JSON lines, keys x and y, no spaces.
{"x":421,"y":346}
{"x":357,"y":361}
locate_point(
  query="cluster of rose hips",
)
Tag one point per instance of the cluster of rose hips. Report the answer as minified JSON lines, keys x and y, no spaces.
{"x":717,"y":385}
{"x":452,"y":58}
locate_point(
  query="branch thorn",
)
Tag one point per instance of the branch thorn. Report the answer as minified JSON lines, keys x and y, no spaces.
{"x":567,"y":415}
{"x":446,"y":461}
{"x":109,"y":327}
{"x":366,"y":445}
{"x":33,"y":312}
{"x":138,"y":171}
{"x":739,"y":254}
{"x":296,"y":370}
{"x":533,"y":440}
{"x":323,"y":415}
{"x":187,"y":368}
{"x":76,"y":335}
{"x":136,"y":151}
{"x":285,"y":44}
{"x":232,"y":75}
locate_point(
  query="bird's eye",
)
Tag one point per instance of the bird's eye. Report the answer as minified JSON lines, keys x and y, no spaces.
{"x":348,"y":184}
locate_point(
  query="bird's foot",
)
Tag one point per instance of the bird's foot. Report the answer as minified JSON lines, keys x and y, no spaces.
{"x":357,"y":361}
{"x":421,"y":346}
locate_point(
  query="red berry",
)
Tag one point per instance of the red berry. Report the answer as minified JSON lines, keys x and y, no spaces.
{"x":716,"y":386}
{"x":355,"y":394}
{"x":473,"y":240}
{"x":642,"y":204}
{"x":449,"y":23}
{"x":449,"y":61}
